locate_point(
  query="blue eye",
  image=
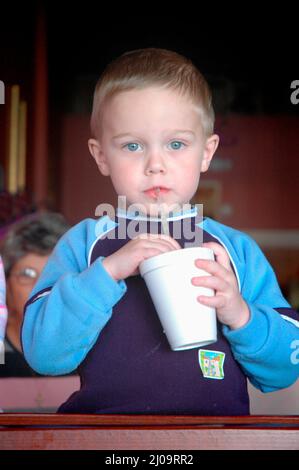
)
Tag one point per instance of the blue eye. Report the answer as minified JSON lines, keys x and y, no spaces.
{"x":176,"y":145}
{"x":132,"y":146}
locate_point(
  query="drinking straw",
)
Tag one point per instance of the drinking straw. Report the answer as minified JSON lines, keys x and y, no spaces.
{"x":165,"y":226}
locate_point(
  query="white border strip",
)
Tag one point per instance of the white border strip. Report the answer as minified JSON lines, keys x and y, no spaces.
{"x":232,"y":261}
{"x":96,"y":240}
{"x":291,"y":320}
{"x":42,"y":295}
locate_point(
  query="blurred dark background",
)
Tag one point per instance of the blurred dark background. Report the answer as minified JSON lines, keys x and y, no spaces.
{"x":249,"y":59}
{"x":55,"y":52}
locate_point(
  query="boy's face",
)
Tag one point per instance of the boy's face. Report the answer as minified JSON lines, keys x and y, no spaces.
{"x":153,"y":147}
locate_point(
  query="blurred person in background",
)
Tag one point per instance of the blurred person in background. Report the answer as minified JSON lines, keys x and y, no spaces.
{"x":25,"y":250}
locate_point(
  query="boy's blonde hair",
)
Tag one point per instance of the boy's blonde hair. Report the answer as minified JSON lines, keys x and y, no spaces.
{"x":143,"y":68}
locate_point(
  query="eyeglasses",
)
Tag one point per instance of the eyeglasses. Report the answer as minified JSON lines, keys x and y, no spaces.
{"x":27,"y":276}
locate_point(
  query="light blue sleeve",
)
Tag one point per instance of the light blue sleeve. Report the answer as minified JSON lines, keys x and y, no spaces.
{"x":267,"y":347}
{"x":70,"y":305}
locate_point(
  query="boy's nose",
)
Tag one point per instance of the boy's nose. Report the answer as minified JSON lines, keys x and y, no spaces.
{"x":154,"y":170}
{"x":154,"y":166}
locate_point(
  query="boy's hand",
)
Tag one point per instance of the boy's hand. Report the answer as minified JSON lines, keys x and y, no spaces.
{"x":125,"y":261}
{"x":231,"y":308}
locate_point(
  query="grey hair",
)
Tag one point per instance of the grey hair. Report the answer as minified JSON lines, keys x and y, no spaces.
{"x":35,"y":233}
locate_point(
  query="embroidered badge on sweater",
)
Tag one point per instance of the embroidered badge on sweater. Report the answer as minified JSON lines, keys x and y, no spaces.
{"x":211,"y":363}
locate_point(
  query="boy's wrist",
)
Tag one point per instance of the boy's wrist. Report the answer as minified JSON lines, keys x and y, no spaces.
{"x":242,"y":319}
{"x":107,"y":265}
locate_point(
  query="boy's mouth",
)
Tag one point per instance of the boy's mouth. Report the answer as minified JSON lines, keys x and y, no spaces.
{"x":156,"y":191}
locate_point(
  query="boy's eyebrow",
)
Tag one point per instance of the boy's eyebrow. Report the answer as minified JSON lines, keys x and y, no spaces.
{"x":174,"y":131}
{"x":124,"y":134}
{"x":183,"y":131}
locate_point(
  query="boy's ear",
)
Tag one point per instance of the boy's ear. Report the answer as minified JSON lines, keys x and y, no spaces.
{"x":210,"y":148}
{"x":101,"y":161}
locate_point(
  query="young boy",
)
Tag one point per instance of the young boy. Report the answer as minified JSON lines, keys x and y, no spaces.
{"x":152,"y":126}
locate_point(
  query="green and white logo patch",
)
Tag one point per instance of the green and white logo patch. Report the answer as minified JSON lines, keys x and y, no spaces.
{"x":211,"y":363}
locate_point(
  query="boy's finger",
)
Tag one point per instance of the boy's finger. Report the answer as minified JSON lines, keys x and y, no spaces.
{"x":212,"y":282}
{"x":216,"y":301}
{"x":168,"y":238}
{"x":162,"y":237}
{"x":212,"y":267}
{"x":221,"y":255}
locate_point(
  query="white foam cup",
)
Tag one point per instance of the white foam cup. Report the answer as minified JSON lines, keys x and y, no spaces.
{"x":186,"y":323}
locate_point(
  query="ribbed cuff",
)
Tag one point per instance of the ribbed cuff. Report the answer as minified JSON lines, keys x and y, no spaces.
{"x":250,"y":338}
